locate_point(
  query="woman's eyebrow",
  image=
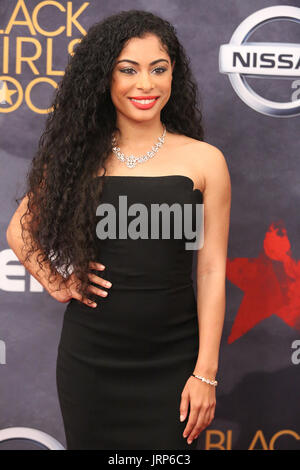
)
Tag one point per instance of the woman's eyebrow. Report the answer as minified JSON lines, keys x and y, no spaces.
{"x":136,"y":63}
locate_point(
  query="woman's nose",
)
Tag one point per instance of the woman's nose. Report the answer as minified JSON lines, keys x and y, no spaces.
{"x":144,"y":80}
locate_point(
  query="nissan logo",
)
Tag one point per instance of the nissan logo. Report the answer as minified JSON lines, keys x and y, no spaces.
{"x":241,"y":58}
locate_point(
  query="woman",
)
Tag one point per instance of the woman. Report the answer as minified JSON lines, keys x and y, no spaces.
{"x":137,"y":361}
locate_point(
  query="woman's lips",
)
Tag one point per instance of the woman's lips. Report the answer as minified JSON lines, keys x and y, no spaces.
{"x":143,"y":106}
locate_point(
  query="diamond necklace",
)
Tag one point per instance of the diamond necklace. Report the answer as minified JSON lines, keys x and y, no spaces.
{"x":131,"y":161}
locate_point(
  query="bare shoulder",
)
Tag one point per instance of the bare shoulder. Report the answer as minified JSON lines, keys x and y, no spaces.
{"x":202,"y":162}
{"x":200,"y":150}
{"x":210,"y":162}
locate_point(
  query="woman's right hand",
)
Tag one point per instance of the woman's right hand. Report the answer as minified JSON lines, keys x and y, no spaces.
{"x":69,"y":291}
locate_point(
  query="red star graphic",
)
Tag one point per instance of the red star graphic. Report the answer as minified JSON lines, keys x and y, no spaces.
{"x":271,"y":284}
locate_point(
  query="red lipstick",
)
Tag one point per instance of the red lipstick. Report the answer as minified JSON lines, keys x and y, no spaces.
{"x":143,"y":97}
{"x":143,"y":105}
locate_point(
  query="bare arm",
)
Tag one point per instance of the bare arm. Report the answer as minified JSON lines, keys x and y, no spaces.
{"x":197,"y":395}
{"x":16,"y":243}
{"x":211,"y":268}
{"x":62,"y":292}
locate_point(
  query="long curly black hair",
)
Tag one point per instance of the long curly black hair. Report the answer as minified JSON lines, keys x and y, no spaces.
{"x":62,"y":198}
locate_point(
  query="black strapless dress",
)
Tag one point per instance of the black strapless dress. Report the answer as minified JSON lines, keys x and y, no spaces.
{"x":121,"y":367}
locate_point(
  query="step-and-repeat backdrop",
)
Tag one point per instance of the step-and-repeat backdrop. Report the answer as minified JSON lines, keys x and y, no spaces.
{"x":246,"y":59}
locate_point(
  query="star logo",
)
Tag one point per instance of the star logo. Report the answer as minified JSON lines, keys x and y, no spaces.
{"x":270,"y":282}
{"x":6,"y":93}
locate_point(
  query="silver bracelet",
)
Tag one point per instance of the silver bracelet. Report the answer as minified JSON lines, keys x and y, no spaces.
{"x":211,"y":382}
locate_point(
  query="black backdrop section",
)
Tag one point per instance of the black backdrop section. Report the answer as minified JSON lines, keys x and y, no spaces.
{"x":258,"y":392}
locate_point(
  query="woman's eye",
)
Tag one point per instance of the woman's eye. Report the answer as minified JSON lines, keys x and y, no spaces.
{"x":161,"y":68}
{"x":125,"y":70}
{"x":128,"y":70}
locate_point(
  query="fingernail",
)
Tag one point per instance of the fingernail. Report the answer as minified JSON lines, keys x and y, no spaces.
{"x":108,"y":284}
{"x":102,"y":266}
{"x":94,"y":304}
{"x":181,"y":417}
{"x":189,"y":441}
